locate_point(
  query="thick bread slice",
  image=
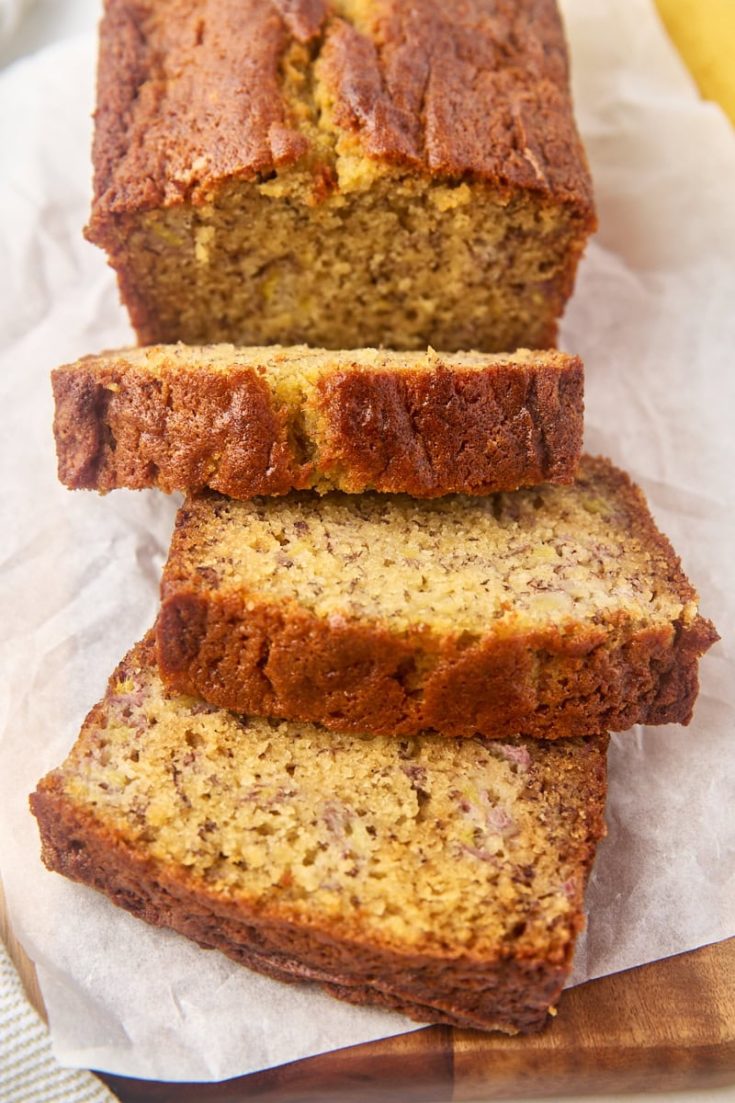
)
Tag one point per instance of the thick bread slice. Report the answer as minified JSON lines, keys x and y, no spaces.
{"x":266,"y":421}
{"x":555,"y":611}
{"x":444,"y":878}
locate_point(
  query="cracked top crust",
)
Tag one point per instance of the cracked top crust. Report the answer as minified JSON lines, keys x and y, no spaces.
{"x":192,"y":94}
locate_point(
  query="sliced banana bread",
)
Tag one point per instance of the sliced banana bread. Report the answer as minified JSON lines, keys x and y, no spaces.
{"x":440,"y":877}
{"x":359,"y":172}
{"x":555,"y":611}
{"x":266,"y":421}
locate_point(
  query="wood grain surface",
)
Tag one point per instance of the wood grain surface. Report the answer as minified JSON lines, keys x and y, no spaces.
{"x":663,"y":1026}
{"x":23,"y":963}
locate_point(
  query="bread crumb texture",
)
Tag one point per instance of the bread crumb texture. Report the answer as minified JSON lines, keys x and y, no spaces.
{"x":459,"y":849}
{"x":376,"y":173}
{"x":553,"y":611}
{"x":548,"y":557}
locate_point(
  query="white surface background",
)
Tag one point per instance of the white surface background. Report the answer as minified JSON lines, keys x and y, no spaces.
{"x":653,"y":319}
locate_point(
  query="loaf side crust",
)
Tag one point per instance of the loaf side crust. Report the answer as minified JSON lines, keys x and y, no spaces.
{"x":453,"y":431}
{"x":116,"y":426}
{"x":268,"y":660}
{"x":506,"y":983}
{"x":242,"y":652}
{"x":515,"y":422}
{"x":512,"y":995}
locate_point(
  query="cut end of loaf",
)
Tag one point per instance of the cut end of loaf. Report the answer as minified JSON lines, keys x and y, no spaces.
{"x":457,"y":267}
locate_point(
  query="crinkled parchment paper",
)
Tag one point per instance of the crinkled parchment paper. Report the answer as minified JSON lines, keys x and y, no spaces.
{"x":653,"y":317}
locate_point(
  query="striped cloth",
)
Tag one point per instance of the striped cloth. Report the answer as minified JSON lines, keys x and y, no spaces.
{"x":28,"y":1071}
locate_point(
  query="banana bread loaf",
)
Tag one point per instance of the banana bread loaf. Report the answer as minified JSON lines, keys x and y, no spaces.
{"x":556,"y":611}
{"x":364,"y":172}
{"x":266,"y":421}
{"x":440,"y":877}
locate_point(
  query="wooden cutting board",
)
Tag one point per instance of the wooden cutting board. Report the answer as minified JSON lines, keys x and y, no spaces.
{"x":663,"y":1026}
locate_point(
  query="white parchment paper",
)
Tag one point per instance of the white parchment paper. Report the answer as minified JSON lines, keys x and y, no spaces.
{"x":653,"y":317}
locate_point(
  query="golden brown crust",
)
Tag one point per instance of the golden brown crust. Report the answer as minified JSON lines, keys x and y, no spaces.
{"x":237,"y":651}
{"x":425,"y":433}
{"x":454,"y":431}
{"x":480,"y":89}
{"x":118,"y":426}
{"x":511,"y":994}
{"x":506,"y":985}
{"x":187,"y":94}
{"x":190,"y":96}
{"x":363,"y":677}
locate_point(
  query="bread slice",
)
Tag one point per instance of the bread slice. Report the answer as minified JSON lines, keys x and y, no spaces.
{"x":441,"y":877}
{"x":556,"y":611}
{"x":266,"y":421}
{"x":341,"y":174}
